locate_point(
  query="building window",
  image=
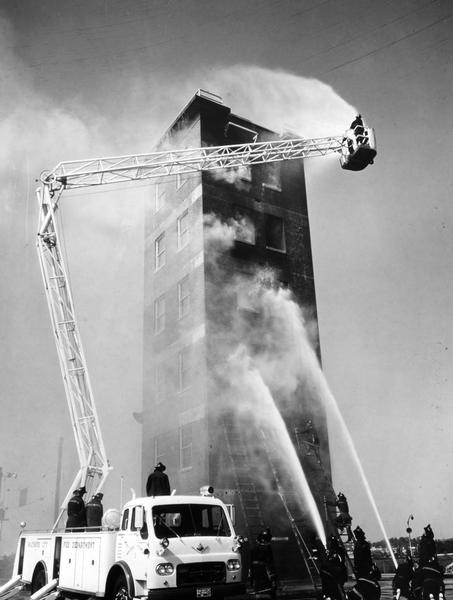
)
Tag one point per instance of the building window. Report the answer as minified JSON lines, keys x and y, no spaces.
{"x":181,"y":179}
{"x":158,"y":450}
{"x":185,"y":446}
{"x":161,"y":387}
{"x":159,"y":199}
{"x":274,"y":232}
{"x":183,"y":369}
{"x":159,"y":249}
{"x":184,"y":296}
{"x":159,"y":314}
{"x":183,"y":229}
{"x":245,"y":172}
{"x":244,"y":225}
{"x":272,"y":174}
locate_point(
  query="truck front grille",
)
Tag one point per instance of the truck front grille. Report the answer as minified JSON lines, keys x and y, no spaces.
{"x":200,"y":573}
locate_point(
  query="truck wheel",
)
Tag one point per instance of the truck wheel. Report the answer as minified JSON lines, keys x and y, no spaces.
{"x":38,"y":580}
{"x":119,"y":590}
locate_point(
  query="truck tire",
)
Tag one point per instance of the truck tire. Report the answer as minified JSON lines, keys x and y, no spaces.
{"x":39,"y":579}
{"x":120,"y":590}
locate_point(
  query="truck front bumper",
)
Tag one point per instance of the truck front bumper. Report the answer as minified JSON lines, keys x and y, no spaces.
{"x":202,"y":592}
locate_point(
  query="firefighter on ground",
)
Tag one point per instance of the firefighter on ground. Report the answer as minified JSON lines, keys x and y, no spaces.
{"x":402,"y":581}
{"x":427,"y":546}
{"x":95,"y":511}
{"x":367,"y":573}
{"x":431,"y":572}
{"x":262,"y":568}
{"x":158,"y":483}
{"x":333,"y":570}
{"x":76,"y":510}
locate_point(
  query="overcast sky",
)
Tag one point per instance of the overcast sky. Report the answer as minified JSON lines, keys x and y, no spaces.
{"x":102,"y":77}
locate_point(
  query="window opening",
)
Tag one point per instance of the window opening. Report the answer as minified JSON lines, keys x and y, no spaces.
{"x":184,"y":296}
{"x":183,"y":370}
{"x":183,"y":229}
{"x":159,"y":246}
{"x":244,"y":226}
{"x":159,"y":198}
{"x":159,"y":314}
{"x":185,"y":439}
{"x":275,"y":233}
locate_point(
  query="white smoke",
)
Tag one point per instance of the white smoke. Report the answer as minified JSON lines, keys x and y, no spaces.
{"x":281,"y":101}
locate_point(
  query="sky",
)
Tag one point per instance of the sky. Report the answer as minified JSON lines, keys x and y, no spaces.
{"x":89,"y":78}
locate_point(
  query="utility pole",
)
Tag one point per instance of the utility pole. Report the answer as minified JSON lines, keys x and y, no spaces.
{"x":58,"y":478}
{"x":409,"y":531}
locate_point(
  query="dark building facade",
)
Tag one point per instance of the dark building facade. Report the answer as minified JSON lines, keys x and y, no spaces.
{"x":227,"y":261}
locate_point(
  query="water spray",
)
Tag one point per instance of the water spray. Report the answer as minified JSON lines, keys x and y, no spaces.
{"x":270,"y":419}
{"x":334,"y":409}
{"x":309,"y":371}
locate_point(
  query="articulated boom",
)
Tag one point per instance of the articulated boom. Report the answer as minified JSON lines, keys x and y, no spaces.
{"x":356,"y":153}
{"x":90,"y":447}
{"x":101,"y":171}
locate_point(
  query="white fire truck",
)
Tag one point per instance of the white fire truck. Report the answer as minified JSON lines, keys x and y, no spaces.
{"x":157,"y":547}
{"x":162,"y":546}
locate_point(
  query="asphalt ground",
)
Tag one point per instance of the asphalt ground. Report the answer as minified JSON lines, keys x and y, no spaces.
{"x":298,"y":591}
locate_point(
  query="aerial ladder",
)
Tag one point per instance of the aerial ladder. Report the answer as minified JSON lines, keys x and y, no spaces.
{"x":355,"y":151}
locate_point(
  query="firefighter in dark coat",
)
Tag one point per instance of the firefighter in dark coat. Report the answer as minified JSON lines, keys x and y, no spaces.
{"x":359,"y":130}
{"x":95,"y":511}
{"x":427,"y":546}
{"x":367,"y":573}
{"x":76,"y":510}
{"x":262,"y":568}
{"x":343,"y":520}
{"x":363,"y":562}
{"x":367,"y":586}
{"x":333,"y":571}
{"x":158,"y":483}
{"x":401,"y":583}
{"x":433,"y":580}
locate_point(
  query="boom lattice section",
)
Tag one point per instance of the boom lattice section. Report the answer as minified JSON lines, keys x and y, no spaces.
{"x":100,"y":171}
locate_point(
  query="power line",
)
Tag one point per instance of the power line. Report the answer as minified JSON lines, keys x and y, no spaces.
{"x":385,"y":46}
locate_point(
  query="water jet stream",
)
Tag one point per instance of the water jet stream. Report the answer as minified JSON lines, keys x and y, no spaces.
{"x":269,"y":417}
{"x":332,"y":407}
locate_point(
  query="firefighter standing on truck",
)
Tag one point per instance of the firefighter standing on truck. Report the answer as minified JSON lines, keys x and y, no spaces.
{"x":158,"y":483}
{"x":94,"y":511}
{"x":76,"y":510}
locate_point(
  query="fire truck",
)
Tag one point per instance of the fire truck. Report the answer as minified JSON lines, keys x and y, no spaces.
{"x":163,"y":546}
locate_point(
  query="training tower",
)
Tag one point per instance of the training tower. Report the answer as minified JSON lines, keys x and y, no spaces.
{"x":190,"y":301}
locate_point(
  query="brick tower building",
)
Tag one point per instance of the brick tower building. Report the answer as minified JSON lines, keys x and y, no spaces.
{"x":227,"y":257}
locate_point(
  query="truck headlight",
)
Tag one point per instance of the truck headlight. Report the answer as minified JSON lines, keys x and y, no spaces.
{"x":233,"y":564}
{"x":165,"y":569}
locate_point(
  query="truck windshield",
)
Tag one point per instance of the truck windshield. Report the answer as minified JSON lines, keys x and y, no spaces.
{"x":185,"y":520}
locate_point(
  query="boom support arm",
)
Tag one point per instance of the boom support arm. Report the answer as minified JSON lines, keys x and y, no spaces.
{"x":85,"y":423}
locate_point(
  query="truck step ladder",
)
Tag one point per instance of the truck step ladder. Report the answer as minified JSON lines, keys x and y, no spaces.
{"x":11,"y":588}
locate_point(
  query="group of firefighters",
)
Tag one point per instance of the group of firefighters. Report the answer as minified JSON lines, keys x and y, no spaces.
{"x":82,"y":516}
{"x":422,"y":581}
